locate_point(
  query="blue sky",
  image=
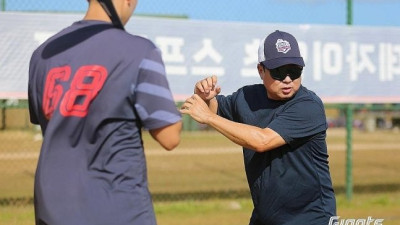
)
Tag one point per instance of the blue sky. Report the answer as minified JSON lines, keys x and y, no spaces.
{"x":365,"y":12}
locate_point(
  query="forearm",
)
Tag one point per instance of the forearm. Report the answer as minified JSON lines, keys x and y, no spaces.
{"x":169,"y":136}
{"x":212,"y":105}
{"x":251,"y":137}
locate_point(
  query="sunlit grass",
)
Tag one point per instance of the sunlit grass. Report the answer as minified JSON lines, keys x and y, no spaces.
{"x":236,"y":211}
{"x":375,"y":172}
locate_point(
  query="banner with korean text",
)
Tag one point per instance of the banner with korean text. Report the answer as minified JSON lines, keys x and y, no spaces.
{"x":343,"y":64}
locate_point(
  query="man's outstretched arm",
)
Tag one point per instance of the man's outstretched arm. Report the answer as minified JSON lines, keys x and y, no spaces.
{"x":251,"y":137}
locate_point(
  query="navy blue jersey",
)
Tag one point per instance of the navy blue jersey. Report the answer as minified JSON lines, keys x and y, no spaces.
{"x":92,"y":89}
{"x":290,"y":184}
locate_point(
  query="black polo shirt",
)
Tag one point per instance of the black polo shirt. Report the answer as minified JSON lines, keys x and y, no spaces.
{"x":290,"y":184}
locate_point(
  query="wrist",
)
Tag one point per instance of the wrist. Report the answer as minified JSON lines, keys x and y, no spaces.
{"x":207,"y":101}
{"x":211,"y":119}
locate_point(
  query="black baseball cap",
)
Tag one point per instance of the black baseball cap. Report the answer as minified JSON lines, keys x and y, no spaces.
{"x":279,"y":48}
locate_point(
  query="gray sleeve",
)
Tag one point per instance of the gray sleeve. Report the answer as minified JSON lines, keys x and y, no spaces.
{"x":153,"y":98}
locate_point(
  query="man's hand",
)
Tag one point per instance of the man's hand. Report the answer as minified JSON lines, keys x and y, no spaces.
{"x":197,"y":109}
{"x":207,"y":88}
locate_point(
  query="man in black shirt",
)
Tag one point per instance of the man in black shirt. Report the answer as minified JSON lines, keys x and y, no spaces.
{"x":282,"y":128}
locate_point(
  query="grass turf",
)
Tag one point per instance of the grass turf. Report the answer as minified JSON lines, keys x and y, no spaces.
{"x":205,"y":165}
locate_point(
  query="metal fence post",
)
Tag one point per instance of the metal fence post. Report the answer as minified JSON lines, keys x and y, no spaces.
{"x":3,"y":5}
{"x":349,"y":125}
{"x":349,"y":151}
{"x":349,"y":12}
{"x":3,"y":114}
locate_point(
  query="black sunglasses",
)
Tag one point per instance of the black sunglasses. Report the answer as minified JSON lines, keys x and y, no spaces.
{"x":280,"y":73}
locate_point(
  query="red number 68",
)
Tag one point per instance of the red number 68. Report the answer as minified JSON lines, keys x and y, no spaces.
{"x":84,"y":87}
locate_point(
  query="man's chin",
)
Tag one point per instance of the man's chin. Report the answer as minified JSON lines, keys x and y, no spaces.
{"x":286,"y":96}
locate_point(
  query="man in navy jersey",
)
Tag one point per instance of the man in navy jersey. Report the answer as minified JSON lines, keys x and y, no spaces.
{"x":93,"y":88}
{"x":282,"y":128}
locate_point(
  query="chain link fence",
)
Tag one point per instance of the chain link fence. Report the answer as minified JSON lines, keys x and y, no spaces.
{"x":357,"y":12}
{"x":271,"y":11}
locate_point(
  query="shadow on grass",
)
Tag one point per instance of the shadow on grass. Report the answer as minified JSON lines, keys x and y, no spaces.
{"x":370,"y":188}
{"x":222,"y":194}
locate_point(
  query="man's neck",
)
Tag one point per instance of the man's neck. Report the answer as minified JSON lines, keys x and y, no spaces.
{"x":96,"y":12}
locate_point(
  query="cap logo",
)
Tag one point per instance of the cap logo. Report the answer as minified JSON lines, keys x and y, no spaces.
{"x":282,"y":46}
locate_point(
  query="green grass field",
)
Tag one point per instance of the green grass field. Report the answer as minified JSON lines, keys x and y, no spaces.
{"x":236,"y":211}
{"x":202,"y":182}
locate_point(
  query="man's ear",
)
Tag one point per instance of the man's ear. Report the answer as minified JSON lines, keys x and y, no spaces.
{"x":261,"y":71}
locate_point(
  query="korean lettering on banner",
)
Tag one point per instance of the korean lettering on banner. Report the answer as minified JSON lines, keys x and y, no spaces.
{"x":250,"y":59}
{"x":327,"y":59}
{"x":171,"y":48}
{"x":354,"y":60}
{"x":359,"y":60}
{"x":209,"y":51}
{"x":389,"y":59}
{"x":330,"y":58}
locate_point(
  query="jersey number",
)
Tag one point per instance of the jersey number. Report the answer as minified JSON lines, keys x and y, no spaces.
{"x":84,"y":87}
